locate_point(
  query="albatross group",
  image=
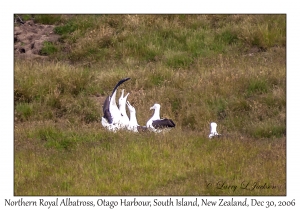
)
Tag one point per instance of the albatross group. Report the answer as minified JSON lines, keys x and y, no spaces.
{"x":115,"y":117}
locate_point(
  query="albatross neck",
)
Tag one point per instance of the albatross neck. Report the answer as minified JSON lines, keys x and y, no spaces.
{"x":156,"y":113}
{"x":133,"y":119}
{"x":122,"y":108}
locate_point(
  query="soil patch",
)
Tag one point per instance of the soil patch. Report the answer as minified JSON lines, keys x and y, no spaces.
{"x":29,"y":38}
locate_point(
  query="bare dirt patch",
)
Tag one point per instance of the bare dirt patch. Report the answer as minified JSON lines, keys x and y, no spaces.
{"x":29,"y":38}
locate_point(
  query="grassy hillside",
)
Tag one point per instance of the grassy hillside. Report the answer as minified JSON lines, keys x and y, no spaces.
{"x":230,"y":69}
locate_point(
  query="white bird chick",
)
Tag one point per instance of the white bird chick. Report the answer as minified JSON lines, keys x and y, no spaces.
{"x":213,"y":130}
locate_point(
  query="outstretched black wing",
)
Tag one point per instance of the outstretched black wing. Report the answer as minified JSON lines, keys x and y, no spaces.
{"x":119,"y":83}
{"x":164,"y":123}
{"x":106,"y":111}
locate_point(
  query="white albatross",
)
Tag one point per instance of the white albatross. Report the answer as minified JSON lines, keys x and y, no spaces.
{"x":124,"y":119}
{"x":111,"y":113}
{"x":133,"y":124}
{"x":213,"y":130}
{"x":155,"y":123}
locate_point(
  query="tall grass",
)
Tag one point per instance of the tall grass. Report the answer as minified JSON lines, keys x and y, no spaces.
{"x":201,"y":68}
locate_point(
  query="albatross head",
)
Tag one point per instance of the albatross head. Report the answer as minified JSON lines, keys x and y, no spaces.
{"x":123,"y":99}
{"x":155,"y":107}
{"x":131,"y":108}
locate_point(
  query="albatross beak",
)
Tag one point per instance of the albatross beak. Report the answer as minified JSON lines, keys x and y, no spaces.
{"x":126,"y":96}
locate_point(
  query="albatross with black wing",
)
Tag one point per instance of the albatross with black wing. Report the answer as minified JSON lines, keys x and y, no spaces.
{"x":111,"y":114}
{"x":155,"y":123}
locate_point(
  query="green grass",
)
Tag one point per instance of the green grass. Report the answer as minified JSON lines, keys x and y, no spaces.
{"x":47,"y":19}
{"x":48,"y":48}
{"x":66,"y":28}
{"x":24,"y":110}
{"x":177,"y":163}
{"x":200,"y":68}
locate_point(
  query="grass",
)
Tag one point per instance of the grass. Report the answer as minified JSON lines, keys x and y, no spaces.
{"x":230,"y":69}
{"x":127,"y":164}
{"x":48,"y":48}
